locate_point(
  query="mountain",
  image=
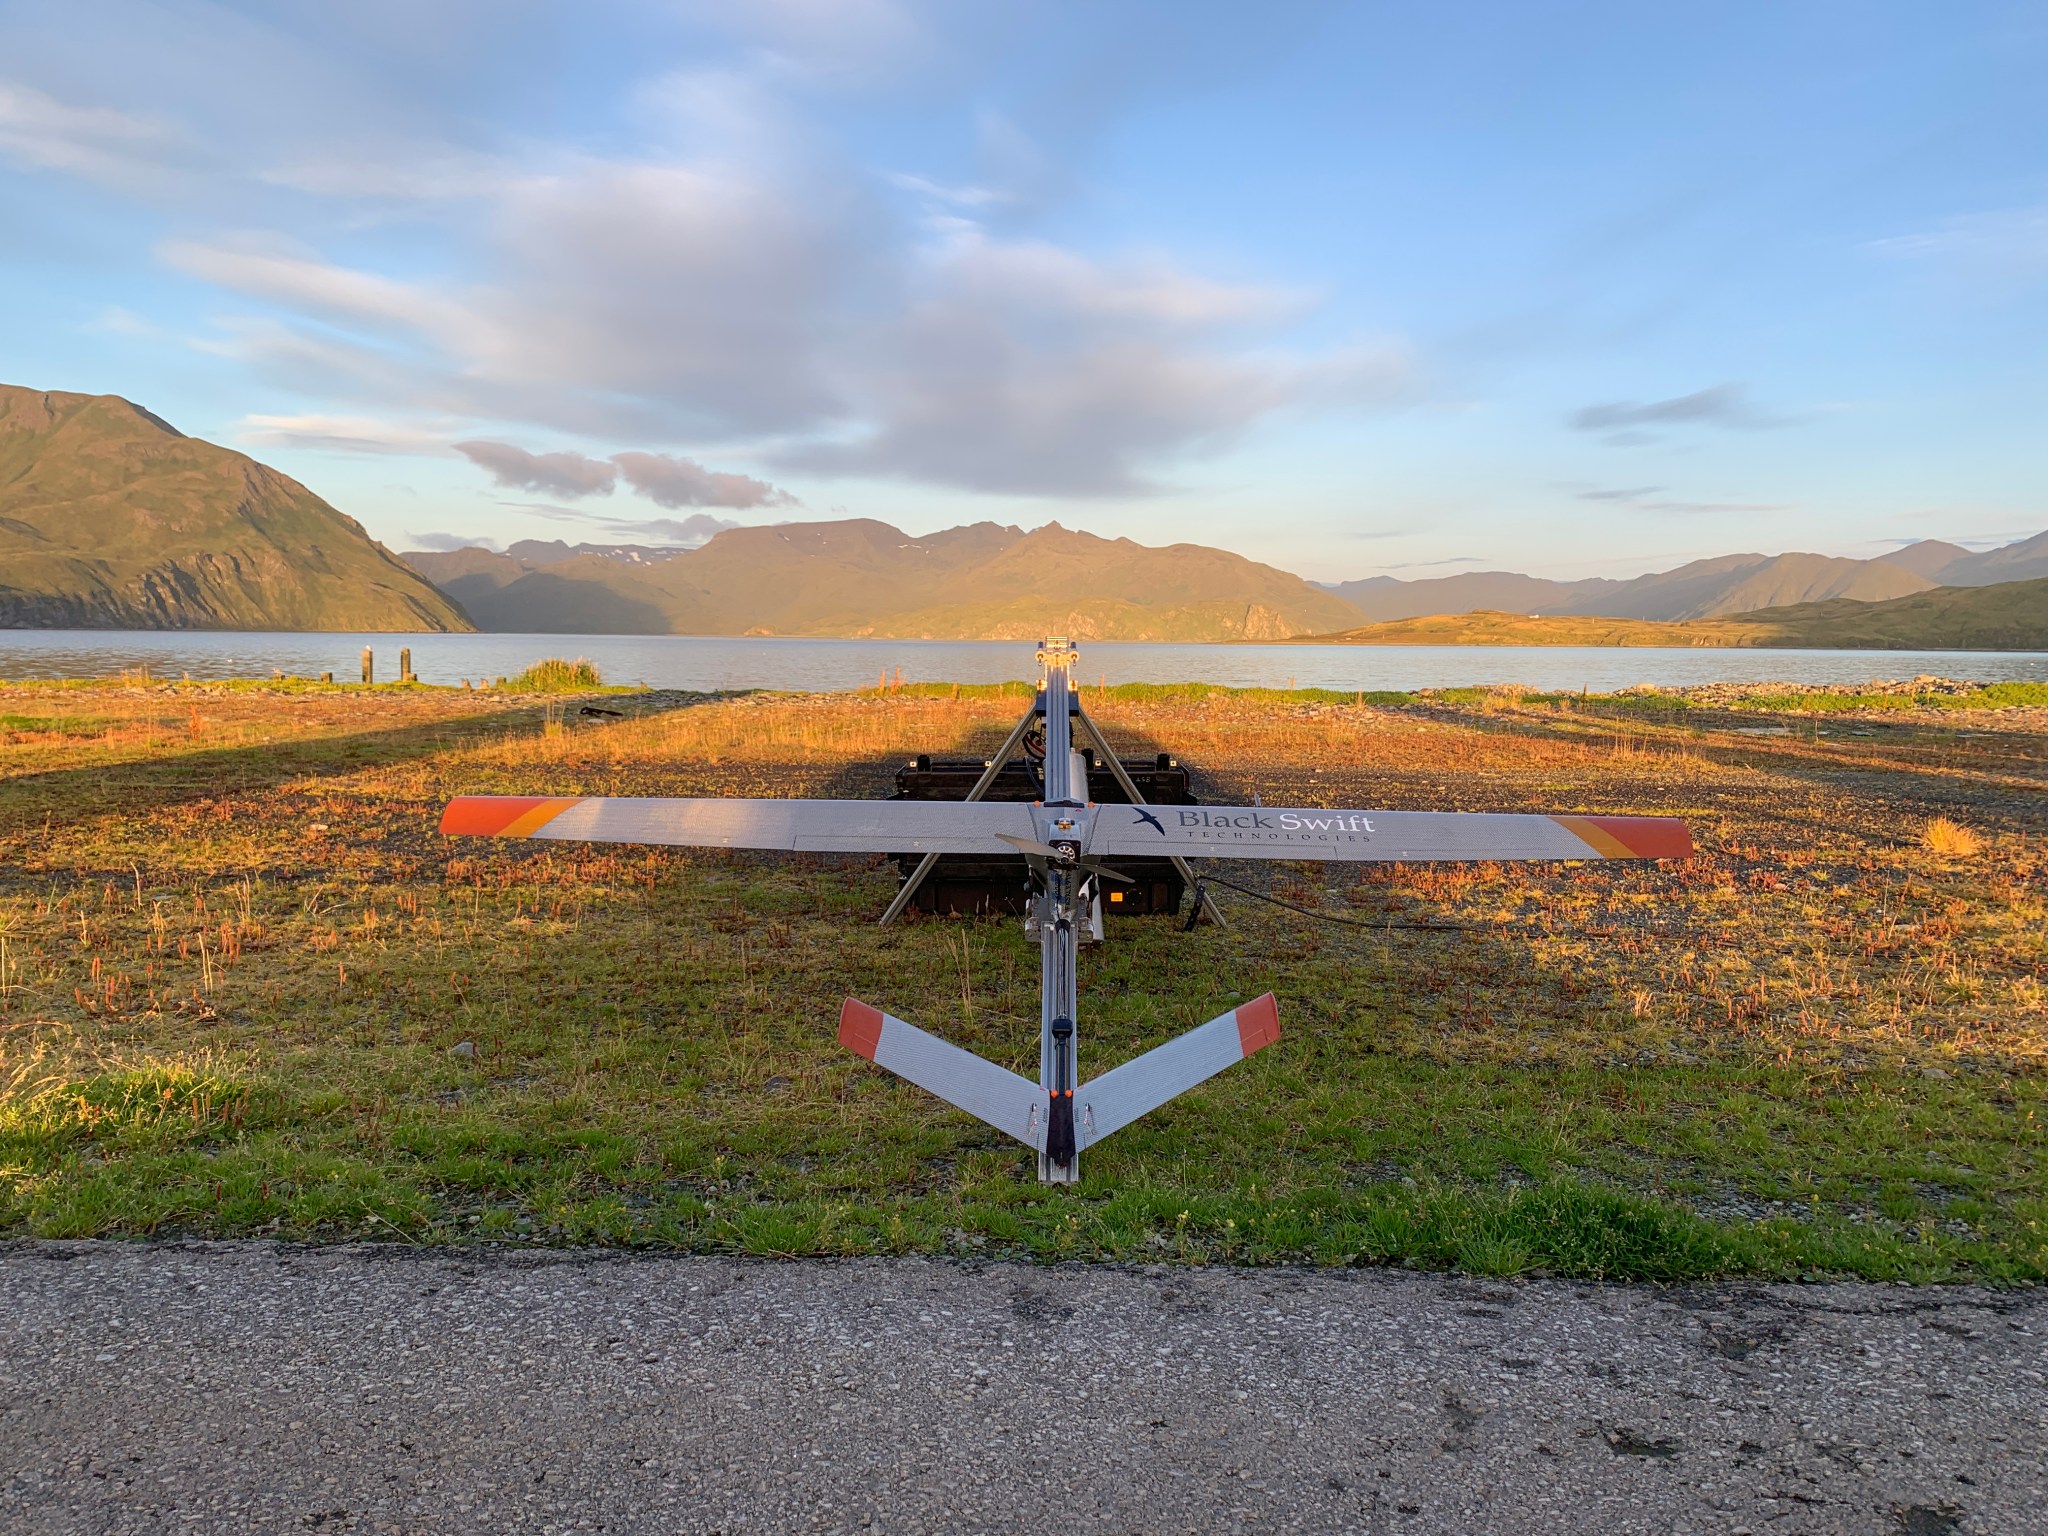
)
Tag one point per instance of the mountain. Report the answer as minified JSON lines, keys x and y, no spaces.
{"x":2005,"y":616}
{"x":2015,"y":562}
{"x":1927,"y":557}
{"x":1711,"y":589}
{"x":1702,"y":589}
{"x":1385,"y":597}
{"x":2010,"y":616}
{"x":111,"y":518}
{"x":860,"y":577}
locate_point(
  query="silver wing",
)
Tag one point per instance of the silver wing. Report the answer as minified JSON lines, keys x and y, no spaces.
{"x":1277,"y":832}
{"x":1189,"y":831}
{"x":813,"y":826}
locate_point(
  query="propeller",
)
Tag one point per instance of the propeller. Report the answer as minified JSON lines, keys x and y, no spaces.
{"x":1031,"y":848}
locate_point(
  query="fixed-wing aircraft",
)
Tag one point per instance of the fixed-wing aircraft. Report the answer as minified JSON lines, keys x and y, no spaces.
{"x":1063,"y":840}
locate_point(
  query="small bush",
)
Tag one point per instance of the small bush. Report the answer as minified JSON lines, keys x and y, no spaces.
{"x":555,"y":675}
{"x":1950,"y":839}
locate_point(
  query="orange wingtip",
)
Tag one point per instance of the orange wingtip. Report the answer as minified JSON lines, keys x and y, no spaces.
{"x":860,"y":1027}
{"x":1631,"y":837}
{"x":502,"y":815}
{"x":1258,"y":1023}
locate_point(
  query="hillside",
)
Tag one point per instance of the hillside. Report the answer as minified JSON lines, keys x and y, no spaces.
{"x":1702,"y":589}
{"x":861,"y":577}
{"x":110,"y":518}
{"x":2012,"y":616}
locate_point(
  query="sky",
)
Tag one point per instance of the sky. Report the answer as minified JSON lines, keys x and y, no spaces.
{"x":1576,"y":289}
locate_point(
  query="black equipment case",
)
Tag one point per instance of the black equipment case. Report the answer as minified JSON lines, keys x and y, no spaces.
{"x":962,"y":882}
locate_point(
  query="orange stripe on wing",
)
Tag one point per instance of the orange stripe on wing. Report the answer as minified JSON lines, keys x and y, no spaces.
{"x":860,"y":1027}
{"x":1258,"y":1023}
{"x":1631,"y":837}
{"x":502,"y":815}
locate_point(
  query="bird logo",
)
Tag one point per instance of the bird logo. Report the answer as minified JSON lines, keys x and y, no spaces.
{"x":1150,"y":820}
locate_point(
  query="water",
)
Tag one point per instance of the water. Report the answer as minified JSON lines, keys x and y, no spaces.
{"x":711,"y":662}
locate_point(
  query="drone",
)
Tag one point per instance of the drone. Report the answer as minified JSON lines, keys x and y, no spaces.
{"x":1065,"y":842}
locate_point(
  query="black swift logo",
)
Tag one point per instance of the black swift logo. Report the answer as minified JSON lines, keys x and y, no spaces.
{"x":1151,"y":821}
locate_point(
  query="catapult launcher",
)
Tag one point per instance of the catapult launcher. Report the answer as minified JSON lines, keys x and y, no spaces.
{"x":1064,"y":842}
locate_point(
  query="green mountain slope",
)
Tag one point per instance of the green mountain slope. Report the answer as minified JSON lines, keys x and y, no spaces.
{"x":112,"y":519}
{"x":2012,"y":616}
{"x":860,"y":577}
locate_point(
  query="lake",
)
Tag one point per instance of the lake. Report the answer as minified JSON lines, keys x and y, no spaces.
{"x":713,"y":662}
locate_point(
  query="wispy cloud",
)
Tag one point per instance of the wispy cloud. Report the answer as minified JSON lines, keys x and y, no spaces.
{"x":1724,"y":405}
{"x":443,"y":542}
{"x":691,"y":532}
{"x":2010,"y":240}
{"x":1714,"y":506}
{"x":100,"y":143}
{"x":345,"y":434}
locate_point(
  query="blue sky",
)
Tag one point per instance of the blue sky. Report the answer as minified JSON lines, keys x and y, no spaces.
{"x":1576,"y":289}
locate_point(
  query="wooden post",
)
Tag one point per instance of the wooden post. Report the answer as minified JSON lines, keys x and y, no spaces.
{"x":405,"y":665}
{"x":369,"y":666}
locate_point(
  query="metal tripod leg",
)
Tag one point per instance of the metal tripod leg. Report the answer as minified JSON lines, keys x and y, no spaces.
{"x":1116,"y":768}
{"x":996,"y":765}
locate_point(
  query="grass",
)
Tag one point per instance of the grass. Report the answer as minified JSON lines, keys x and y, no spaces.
{"x":1950,"y":839}
{"x":236,"y":963}
{"x":554,"y":675}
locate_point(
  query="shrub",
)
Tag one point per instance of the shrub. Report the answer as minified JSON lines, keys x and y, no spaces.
{"x":1950,"y":839}
{"x":554,"y":675}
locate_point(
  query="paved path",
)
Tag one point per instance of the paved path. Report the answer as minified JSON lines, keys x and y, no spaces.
{"x":252,"y":1388}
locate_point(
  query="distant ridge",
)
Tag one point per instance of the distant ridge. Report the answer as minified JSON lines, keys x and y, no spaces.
{"x":2008,"y":616}
{"x":860,"y":577}
{"x":112,"y":518}
{"x":1703,"y":589}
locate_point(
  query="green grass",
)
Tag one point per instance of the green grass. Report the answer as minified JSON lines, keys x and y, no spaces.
{"x":234,"y":968}
{"x":554,"y":675}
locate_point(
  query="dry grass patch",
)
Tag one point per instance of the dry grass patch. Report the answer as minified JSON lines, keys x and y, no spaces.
{"x":234,"y":964}
{"x":1950,"y":839}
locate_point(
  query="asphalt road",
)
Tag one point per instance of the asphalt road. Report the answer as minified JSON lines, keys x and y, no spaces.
{"x":247,"y":1388}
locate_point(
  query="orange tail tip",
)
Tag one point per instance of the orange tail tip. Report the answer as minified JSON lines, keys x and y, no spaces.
{"x":1631,"y":837}
{"x":502,"y":815}
{"x":1258,"y":1023}
{"x":860,"y":1027}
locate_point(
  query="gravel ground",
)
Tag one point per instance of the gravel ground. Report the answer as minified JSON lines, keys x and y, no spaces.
{"x":256,"y":1387}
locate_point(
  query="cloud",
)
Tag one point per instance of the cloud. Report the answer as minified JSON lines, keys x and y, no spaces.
{"x":2012,"y":241}
{"x":686,"y":532}
{"x":1724,"y":405}
{"x":447,"y":541}
{"x":1637,"y":498}
{"x":1022,"y":368}
{"x":99,"y":143}
{"x":563,"y":474}
{"x":672,"y":482}
{"x":118,"y":320}
{"x":697,"y":529}
{"x":664,"y":479}
{"x":344,"y":434}
{"x":1714,"y":506}
{"x":721,"y":271}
